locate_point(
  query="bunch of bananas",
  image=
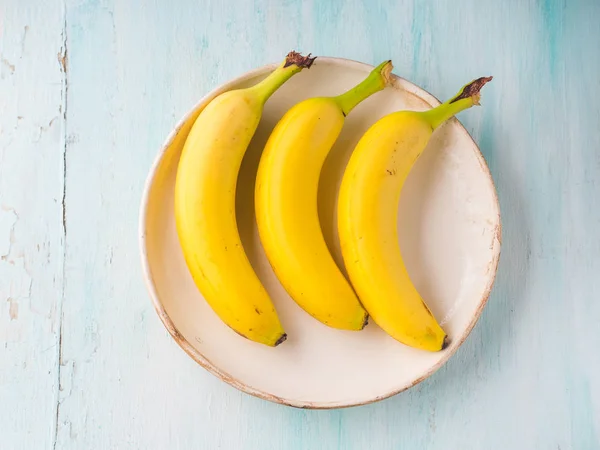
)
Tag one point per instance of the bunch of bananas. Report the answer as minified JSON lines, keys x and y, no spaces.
{"x":378,"y":283}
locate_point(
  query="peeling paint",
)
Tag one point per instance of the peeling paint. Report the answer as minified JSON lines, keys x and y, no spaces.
{"x":8,"y":65}
{"x":13,"y":308}
{"x":8,"y":221}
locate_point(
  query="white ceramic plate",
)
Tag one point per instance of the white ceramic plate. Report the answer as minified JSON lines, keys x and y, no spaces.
{"x":449,"y":233}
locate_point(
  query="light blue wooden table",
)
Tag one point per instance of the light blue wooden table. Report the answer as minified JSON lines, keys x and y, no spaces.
{"x":90,"y":89}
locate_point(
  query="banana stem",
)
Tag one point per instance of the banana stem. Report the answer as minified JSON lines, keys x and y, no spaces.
{"x":378,"y":79}
{"x":294,"y":62}
{"x":467,"y":97}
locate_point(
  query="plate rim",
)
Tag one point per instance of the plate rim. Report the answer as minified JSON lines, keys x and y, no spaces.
{"x":205,"y":362}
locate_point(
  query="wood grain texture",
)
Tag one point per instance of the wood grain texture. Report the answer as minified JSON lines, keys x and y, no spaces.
{"x":31,"y":228}
{"x":84,"y":361}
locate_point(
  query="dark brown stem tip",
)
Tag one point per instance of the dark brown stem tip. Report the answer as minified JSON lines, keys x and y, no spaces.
{"x":446,"y":342}
{"x":366,"y":322}
{"x":296,"y":58}
{"x":281,"y":339}
{"x":472,"y":90}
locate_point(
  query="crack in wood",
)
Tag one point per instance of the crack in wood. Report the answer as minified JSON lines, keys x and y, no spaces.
{"x":63,"y":60}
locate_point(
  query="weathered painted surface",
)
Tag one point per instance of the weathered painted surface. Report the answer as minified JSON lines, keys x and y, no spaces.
{"x":31,"y":228}
{"x":89,"y":90}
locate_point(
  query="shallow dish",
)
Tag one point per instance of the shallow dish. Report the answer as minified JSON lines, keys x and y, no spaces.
{"x":449,"y":231}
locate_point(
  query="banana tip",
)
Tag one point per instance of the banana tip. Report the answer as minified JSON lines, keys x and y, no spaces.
{"x":295,"y":58}
{"x":472,"y":90}
{"x":365,"y":322}
{"x":386,"y":71}
{"x":282,"y":339}
{"x":446,"y":343}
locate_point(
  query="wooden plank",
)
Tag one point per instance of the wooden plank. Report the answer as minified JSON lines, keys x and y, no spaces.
{"x":31,"y":229}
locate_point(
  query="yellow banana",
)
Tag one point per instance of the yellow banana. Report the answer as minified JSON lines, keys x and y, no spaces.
{"x":205,"y":206}
{"x":286,"y":204}
{"x":367,"y":219}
